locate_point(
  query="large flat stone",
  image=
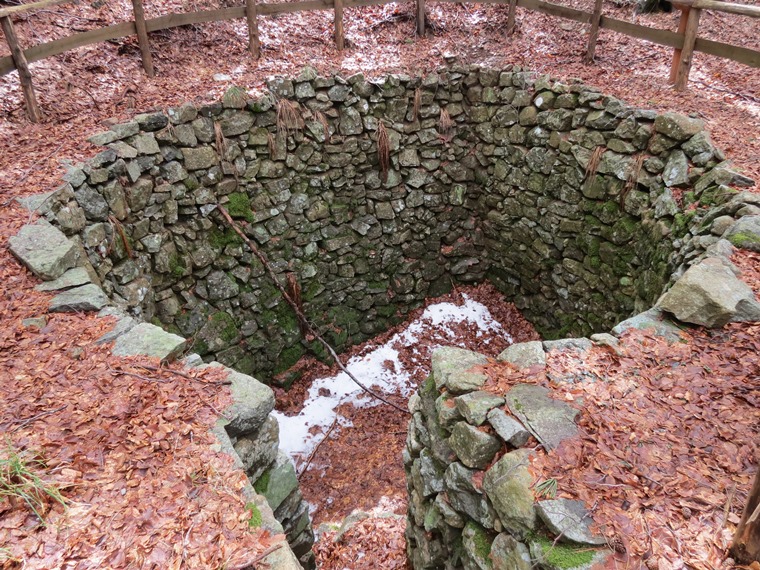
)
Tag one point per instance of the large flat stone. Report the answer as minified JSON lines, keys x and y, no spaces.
{"x":452,"y":369}
{"x":149,"y":340}
{"x":44,"y":249}
{"x":569,"y":520}
{"x":85,"y":298}
{"x":72,"y":278}
{"x":710,"y":295}
{"x":549,"y":420}
{"x":524,"y":354}
{"x":507,"y":484}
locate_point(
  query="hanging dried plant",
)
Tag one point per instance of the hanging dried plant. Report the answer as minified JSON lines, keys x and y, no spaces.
{"x":221,"y":142}
{"x":383,"y":150}
{"x":322,"y":120}
{"x":445,"y":123}
{"x":633,"y":178}
{"x":272,"y":144}
{"x":289,"y":118}
{"x":416,"y":104}
{"x":593,"y":164}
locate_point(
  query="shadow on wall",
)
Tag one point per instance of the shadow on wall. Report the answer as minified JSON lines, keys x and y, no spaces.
{"x":576,"y":206}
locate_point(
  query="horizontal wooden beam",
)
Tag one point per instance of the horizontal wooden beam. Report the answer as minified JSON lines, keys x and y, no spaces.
{"x":23,"y":8}
{"x":728,"y":7}
{"x":742,"y":55}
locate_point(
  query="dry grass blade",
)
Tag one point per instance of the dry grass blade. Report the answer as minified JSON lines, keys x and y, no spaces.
{"x":445,"y":124}
{"x":633,"y":178}
{"x":221,"y":142}
{"x":416,"y":105}
{"x":272,"y":145}
{"x":383,"y":150}
{"x":289,"y":118}
{"x":20,"y":481}
{"x":593,"y":164}
{"x":322,"y":120}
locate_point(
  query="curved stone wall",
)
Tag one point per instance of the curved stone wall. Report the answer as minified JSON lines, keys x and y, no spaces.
{"x":560,"y":195}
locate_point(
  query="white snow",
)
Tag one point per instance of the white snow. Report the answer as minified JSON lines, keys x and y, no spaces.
{"x":381,"y":369}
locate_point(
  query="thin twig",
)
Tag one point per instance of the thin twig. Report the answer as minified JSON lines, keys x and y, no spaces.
{"x":316,"y":447}
{"x":309,"y":326}
{"x":138,"y":376}
{"x":33,"y":419}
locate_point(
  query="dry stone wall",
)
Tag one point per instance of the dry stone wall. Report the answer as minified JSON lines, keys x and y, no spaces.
{"x":560,"y":195}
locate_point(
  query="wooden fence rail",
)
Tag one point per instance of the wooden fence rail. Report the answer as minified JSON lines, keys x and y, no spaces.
{"x":684,"y":42}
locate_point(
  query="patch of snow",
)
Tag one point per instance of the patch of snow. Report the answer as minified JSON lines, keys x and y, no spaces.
{"x":381,"y":369}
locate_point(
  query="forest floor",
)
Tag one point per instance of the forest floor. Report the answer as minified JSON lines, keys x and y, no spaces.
{"x":45,"y":372}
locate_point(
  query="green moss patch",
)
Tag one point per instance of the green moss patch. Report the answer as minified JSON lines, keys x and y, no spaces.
{"x":561,"y":555}
{"x":255,"y":519}
{"x":239,"y":206}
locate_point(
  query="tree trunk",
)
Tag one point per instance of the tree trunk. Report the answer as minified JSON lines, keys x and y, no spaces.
{"x":746,"y":546}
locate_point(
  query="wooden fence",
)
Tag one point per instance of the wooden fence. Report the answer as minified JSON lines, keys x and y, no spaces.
{"x":684,"y":42}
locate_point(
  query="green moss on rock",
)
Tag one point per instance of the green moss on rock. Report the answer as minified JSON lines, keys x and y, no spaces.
{"x":239,"y":206}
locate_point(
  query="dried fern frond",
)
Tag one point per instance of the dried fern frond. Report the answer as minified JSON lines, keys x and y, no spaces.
{"x":633,"y":178}
{"x":416,"y":105}
{"x":445,"y":124}
{"x":593,"y":163}
{"x":383,"y":150}
{"x":322,"y":120}
{"x":221,"y":142}
{"x":289,"y":118}
{"x":272,"y":144}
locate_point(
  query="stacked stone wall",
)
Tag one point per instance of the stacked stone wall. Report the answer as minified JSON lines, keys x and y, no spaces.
{"x":560,"y":195}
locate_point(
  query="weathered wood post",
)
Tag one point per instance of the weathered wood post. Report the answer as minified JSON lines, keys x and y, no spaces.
{"x":339,"y":41}
{"x":142,"y":38}
{"x":421,"y":18}
{"x":251,"y":15}
{"x":746,"y":546}
{"x":511,"y":17}
{"x":24,"y":75}
{"x":593,"y":34}
{"x":687,"y":51}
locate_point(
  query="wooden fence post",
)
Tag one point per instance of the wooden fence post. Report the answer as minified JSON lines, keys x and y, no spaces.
{"x":593,"y":34}
{"x":339,"y":42}
{"x":421,"y":18}
{"x":142,"y":38}
{"x":511,"y":17}
{"x":24,"y":75}
{"x":687,"y":52}
{"x":677,"y":51}
{"x":746,"y":546}
{"x":251,"y":14}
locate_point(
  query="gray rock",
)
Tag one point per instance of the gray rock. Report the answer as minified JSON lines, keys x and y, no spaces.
{"x":507,"y":485}
{"x":447,"y":411}
{"x":568,"y":344}
{"x":476,"y":543}
{"x":676,"y":171}
{"x":524,"y":354}
{"x":94,"y":205}
{"x":474,"y":448}
{"x":44,"y":249}
{"x":252,"y":403}
{"x":710,"y":295}
{"x":85,"y":298}
{"x":427,"y":474}
{"x":465,"y":498}
{"x":278,"y":481}
{"x":509,"y":554}
{"x":258,"y":450}
{"x":568,"y":520}
{"x":72,"y":278}
{"x":548,"y":420}
{"x":721,"y":224}
{"x":745,"y":233}
{"x":149,"y":340}
{"x":475,"y":406}
{"x":677,"y":126}
{"x":508,"y":428}
{"x":451,"y":368}
{"x":122,"y":326}
{"x":650,"y":319}
{"x":200,"y":157}
{"x":350,"y":121}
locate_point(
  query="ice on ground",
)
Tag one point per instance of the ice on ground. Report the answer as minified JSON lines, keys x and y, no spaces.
{"x":381,"y":369}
